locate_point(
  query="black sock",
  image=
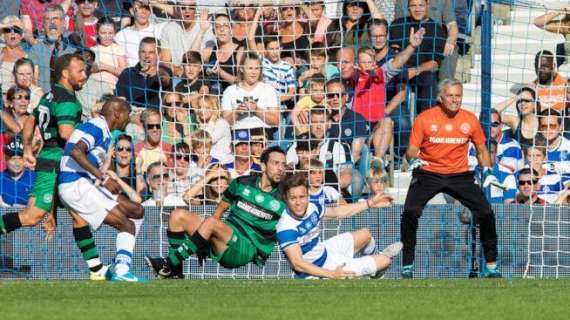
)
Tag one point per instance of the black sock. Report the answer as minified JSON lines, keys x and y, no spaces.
{"x":86,"y":244}
{"x":10,"y":222}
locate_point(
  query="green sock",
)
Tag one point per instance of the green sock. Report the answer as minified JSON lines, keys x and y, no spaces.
{"x":86,"y":244}
{"x":185,"y":250}
{"x":2,"y":226}
{"x":175,"y":240}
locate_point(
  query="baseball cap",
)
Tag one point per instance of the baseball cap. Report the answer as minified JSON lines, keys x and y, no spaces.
{"x":15,"y":147}
{"x":241,"y":136}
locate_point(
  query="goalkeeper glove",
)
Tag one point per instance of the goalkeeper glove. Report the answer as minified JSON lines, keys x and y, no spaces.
{"x":416,"y":163}
{"x":489,"y":178}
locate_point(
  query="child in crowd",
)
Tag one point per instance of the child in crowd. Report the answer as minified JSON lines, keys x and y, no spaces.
{"x":200,"y":155}
{"x":318,"y":65}
{"x":207,"y":111}
{"x":319,"y":193}
{"x":193,"y":84}
{"x":110,"y":58}
{"x":369,"y":100}
{"x":316,"y":97}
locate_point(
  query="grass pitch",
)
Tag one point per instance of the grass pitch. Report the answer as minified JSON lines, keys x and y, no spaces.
{"x":287,"y":299}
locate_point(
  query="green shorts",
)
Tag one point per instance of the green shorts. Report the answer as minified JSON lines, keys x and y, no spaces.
{"x":240,"y":251}
{"x":44,"y":189}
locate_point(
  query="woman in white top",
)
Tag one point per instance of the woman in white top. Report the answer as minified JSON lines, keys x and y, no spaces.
{"x":208,"y":118}
{"x":110,"y":59}
{"x":250,"y":103}
{"x":11,"y":32}
{"x":26,"y":79}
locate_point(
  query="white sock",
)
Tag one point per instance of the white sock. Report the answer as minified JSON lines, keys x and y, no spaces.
{"x":138,"y":223}
{"x":124,"y":257}
{"x":370,"y":247}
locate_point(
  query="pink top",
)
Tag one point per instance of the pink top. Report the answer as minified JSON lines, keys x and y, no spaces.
{"x":322,"y":26}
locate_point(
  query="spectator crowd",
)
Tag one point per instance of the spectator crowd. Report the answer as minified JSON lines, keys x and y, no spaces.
{"x":334,"y":83}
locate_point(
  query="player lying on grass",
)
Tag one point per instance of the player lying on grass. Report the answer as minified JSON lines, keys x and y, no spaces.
{"x":298,"y":234}
{"x":90,"y":194}
{"x":246,"y":235}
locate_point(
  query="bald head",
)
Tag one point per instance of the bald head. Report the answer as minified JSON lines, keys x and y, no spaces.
{"x":115,"y":104}
{"x":116,"y":110}
{"x":345,"y":59}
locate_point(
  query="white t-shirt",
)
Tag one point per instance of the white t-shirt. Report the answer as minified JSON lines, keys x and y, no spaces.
{"x":265,"y":95}
{"x":129,"y":39}
{"x":221,"y":135}
{"x":179,"y":40}
{"x":109,"y":56}
{"x":169,"y":201}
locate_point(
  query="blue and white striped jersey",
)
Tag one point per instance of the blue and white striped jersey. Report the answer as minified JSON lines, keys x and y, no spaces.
{"x":557,"y":164}
{"x":326,"y":195}
{"x":305,"y":232}
{"x":96,"y":135}
{"x":280,"y":75}
{"x":497,"y":195}
{"x":509,"y":154}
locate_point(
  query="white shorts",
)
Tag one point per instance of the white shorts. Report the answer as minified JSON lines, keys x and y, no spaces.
{"x":340,"y":252}
{"x":91,"y":202}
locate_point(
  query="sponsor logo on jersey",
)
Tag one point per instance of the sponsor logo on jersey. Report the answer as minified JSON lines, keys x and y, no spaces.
{"x":443,"y":140}
{"x":274,"y":205}
{"x":465,"y":127}
{"x":48,"y":197}
{"x":254,"y":211}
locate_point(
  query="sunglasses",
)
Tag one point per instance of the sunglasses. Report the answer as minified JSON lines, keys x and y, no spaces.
{"x":165,"y":176}
{"x":495,"y":124}
{"x":182,"y":156}
{"x":12,"y":29}
{"x":22,"y":97}
{"x":151,"y":126}
{"x":549,"y":126}
{"x":85,"y":1}
{"x":519,"y":101}
{"x":357,"y":4}
{"x":334,"y":95}
{"x":529,"y":182}
{"x":121,"y":149}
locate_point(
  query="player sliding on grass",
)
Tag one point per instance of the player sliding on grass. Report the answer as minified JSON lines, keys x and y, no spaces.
{"x":246,"y":235}
{"x":90,"y":194}
{"x":298,"y":234}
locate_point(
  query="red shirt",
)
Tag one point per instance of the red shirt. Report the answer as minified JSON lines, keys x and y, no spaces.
{"x":36,"y":9}
{"x":369,"y":95}
{"x":444,"y":141}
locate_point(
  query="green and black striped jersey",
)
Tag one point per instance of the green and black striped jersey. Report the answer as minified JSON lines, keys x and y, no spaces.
{"x":254,"y":212}
{"x":58,"y":107}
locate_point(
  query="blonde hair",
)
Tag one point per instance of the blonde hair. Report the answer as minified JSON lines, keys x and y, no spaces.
{"x":201,"y":138}
{"x":367,"y":51}
{"x":212,"y":103}
{"x":249,"y":56}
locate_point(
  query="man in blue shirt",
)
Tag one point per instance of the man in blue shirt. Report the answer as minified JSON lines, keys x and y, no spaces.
{"x":16,"y":181}
{"x":140,"y":84}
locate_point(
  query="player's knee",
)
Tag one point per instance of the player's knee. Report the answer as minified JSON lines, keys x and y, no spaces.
{"x":365,"y":234}
{"x":177,"y":217}
{"x":126,"y":225}
{"x":210,"y":224}
{"x":138,"y":212}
